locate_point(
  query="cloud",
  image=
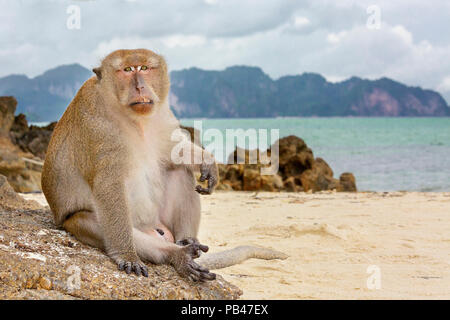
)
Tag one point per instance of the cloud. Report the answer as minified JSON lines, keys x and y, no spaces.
{"x":283,"y":37}
{"x":445,"y":84}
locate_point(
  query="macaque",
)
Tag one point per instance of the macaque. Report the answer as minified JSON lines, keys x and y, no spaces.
{"x":108,"y":175}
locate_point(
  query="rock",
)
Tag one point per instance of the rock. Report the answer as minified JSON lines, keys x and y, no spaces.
{"x":7,"y":109}
{"x":19,"y":167}
{"x":31,"y":139}
{"x":292,"y":184}
{"x":271,"y":183}
{"x":294,"y":156}
{"x":252,"y":180}
{"x":20,"y":124}
{"x":319,"y":177}
{"x":232,"y":175}
{"x":39,"y":261}
{"x":10,"y":200}
{"x":298,"y":171}
{"x":224,"y":186}
{"x":347,"y":182}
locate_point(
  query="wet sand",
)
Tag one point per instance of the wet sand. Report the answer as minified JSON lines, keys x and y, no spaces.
{"x":341,"y":245}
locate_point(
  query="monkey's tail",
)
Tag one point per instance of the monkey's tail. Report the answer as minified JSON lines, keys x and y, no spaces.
{"x":237,"y":255}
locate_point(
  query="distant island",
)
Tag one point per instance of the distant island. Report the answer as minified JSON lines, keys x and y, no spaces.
{"x":240,"y":92}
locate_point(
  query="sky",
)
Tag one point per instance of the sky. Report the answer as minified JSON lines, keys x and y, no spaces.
{"x":406,"y":40}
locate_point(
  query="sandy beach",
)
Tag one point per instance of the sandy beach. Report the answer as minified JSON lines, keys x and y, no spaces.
{"x":332,"y":239}
{"x":392,"y":245}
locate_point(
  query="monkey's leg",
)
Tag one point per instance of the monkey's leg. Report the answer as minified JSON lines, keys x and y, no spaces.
{"x":157,"y":250}
{"x":84,"y":226}
{"x":181,"y":208}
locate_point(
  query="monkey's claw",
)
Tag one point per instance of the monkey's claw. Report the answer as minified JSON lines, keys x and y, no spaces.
{"x":202,"y":190}
{"x":137,"y":267}
{"x":184,"y":261}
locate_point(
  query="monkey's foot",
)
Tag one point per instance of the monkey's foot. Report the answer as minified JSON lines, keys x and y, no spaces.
{"x":183,"y":261}
{"x":138,"y":267}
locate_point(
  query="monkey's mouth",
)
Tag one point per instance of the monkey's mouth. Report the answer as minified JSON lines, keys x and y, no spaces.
{"x":141,"y":103}
{"x":142,"y":107}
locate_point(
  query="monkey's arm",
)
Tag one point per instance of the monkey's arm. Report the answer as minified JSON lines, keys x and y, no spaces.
{"x":204,"y":162}
{"x":208,"y":169}
{"x":237,"y":255}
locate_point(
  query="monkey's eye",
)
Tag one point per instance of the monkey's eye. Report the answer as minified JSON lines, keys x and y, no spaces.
{"x":144,"y":68}
{"x":127,"y":69}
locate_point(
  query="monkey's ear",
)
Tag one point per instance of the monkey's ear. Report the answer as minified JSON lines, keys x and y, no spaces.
{"x":98,"y":72}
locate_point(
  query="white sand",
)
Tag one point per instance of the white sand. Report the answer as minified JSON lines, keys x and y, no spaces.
{"x":332,"y":239}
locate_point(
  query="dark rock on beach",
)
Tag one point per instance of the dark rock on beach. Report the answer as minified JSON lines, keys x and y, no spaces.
{"x":298,"y":171}
{"x":31,"y":139}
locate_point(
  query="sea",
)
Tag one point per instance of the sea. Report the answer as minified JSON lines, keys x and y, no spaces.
{"x":384,"y":154}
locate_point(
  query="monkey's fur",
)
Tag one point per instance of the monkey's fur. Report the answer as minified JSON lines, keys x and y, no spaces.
{"x":109,"y":178}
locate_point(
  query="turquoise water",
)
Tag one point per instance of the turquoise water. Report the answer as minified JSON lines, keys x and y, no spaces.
{"x":384,"y":154}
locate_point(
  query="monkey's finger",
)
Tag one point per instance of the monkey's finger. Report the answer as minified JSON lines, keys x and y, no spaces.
{"x":204,"y":272}
{"x":202,"y":190}
{"x":128,"y":268}
{"x":208,"y":276}
{"x":145,"y":271}
{"x":212,"y":181}
{"x":193,"y":250}
{"x":194,"y":274}
{"x":137,"y":269}
{"x":199,"y":267}
{"x":193,"y":277}
{"x":204,"y":176}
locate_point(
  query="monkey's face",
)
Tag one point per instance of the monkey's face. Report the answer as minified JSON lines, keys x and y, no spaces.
{"x":139,"y":79}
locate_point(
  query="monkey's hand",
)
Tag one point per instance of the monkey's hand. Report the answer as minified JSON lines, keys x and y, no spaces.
{"x":208,"y":172}
{"x":134,"y":264}
{"x":182,"y":260}
{"x":190,"y":240}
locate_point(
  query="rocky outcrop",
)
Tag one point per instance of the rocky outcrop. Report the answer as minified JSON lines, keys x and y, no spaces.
{"x":21,"y":168}
{"x":298,"y":171}
{"x":39,"y":261}
{"x":10,"y":200}
{"x":31,"y":139}
{"x":7,"y":109}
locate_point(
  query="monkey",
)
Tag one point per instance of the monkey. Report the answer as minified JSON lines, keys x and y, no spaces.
{"x":109,"y":177}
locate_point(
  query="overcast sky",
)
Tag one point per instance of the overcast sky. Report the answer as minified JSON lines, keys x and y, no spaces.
{"x":337,"y":39}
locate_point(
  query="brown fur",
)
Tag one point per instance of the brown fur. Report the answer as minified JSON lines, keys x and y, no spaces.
{"x":108,"y":176}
